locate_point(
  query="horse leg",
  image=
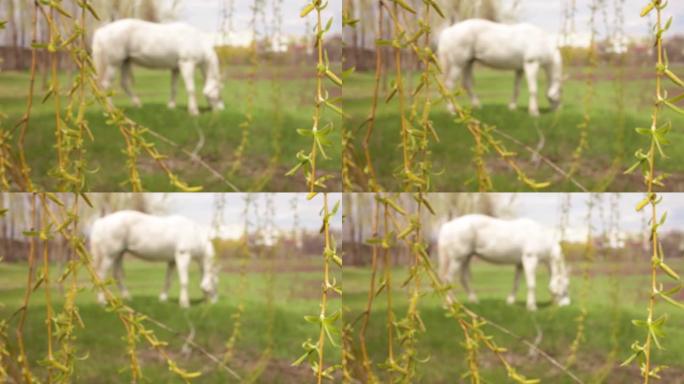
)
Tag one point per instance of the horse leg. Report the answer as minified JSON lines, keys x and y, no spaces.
{"x":465,"y":281}
{"x":164,"y":295}
{"x":468,"y":83}
{"x":106,"y":263}
{"x":529,"y":262}
{"x":127,"y":82}
{"x":174,"y":88}
{"x":448,"y":265}
{"x":516,"y":90}
{"x":451,"y":76}
{"x":516,"y":283}
{"x":531,"y":71}
{"x":187,"y":69}
{"x":108,"y":79}
{"x":117,"y":272}
{"x":183,"y":265}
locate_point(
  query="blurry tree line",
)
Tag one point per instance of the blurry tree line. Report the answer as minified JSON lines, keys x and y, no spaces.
{"x":19,"y":216}
{"x":15,"y":39}
{"x":359,"y":210}
{"x":359,"y":49}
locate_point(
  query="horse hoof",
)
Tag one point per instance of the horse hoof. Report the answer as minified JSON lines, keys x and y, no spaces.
{"x":194,"y":112}
{"x":163,"y":298}
{"x":512,"y":107}
{"x":171,"y":105}
{"x":532,"y":308}
{"x":184,"y":304}
{"x":534,"y":113}
{"x":510,"y":300}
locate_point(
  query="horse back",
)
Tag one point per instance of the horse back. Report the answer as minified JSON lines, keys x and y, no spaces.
{"x":149,"y":44}
{"x":498,"y":45}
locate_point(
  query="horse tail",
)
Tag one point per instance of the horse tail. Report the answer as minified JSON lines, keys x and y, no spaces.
{"x":99,"y":56}
{"x":94,"y":244}
{"x":442,"y":55}
{"x":442,"y":259}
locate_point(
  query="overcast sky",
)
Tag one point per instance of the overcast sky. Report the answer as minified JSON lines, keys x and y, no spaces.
{"x":200,"y":207}
{"x":546,"y":208}
{"x":206,"y":15}
{"x":548,"y":14}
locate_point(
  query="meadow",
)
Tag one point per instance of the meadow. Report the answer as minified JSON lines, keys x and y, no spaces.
{"x":612,"y":139}
{"x":101,"y":346}
{"x":215,"y":136}
{"x":617,"y":294}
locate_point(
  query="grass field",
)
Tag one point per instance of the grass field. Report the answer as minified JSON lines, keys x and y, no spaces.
{"x":222,"y":132}
{"x":441,"y":344}
{"x":100,"y":343}
{"x":453,"y":153}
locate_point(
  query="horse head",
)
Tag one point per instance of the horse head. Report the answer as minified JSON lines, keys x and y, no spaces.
{"x":209,"y":284}
{"x":213,"y":84}
{"x":555,"y":72}
{"x":560,"y":280}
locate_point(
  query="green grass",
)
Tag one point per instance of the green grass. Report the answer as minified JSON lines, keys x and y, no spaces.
{"x":442,"y":340}
{"x":452,"y":156}
{"x":297,"y":293}
{"x":106,"y":161}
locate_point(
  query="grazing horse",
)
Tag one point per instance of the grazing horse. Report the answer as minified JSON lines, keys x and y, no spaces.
{"x":521,"y":242}
{"x":175,"y":46}
{"x":522,"y":48}
{"x":174,"y":240}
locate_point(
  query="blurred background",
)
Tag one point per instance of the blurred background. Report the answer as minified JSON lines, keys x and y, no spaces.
{"x":270,"y":259}
{"x":607,"y":249}
{"x":608,"y":90}
{"x":606,"y":223}
{"x":268,"y":71}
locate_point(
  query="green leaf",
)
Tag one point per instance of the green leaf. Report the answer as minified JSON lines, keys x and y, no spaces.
{"x":675,"y":79}
{"x":309,"y":7}
{"x":672,"y":301}
{"x":669,"y":271}
{"x":403,"y":4}
{"x":643,"y":203}
{"x":647,"y":9}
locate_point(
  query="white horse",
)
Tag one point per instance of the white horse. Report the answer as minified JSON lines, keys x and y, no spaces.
{"x":522,"y":48}
{"x":175,"y":46}
{"x":175,"y":240}
{"x":521,"y":242}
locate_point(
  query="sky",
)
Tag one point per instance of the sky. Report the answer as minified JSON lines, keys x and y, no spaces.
{"x":206,"y":15}
{"x":201,"y":208}
{"x":548,"y":14}
{"x":546,"y":209}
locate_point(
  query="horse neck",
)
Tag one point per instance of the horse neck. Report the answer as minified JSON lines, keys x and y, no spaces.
{"x":207,"y":260}
{"x":554,"y":70}
{"x":210,"y":67}
{"x":557,"y":264}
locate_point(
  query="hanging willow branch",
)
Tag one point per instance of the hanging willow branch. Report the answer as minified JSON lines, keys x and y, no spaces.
{"x":321,"y":130}
{"x":246,"y":124}
{"x":66,"y":34}
{"x":646,"y":160}
{"x":326,"y":321}
{"x":472,"y":325}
